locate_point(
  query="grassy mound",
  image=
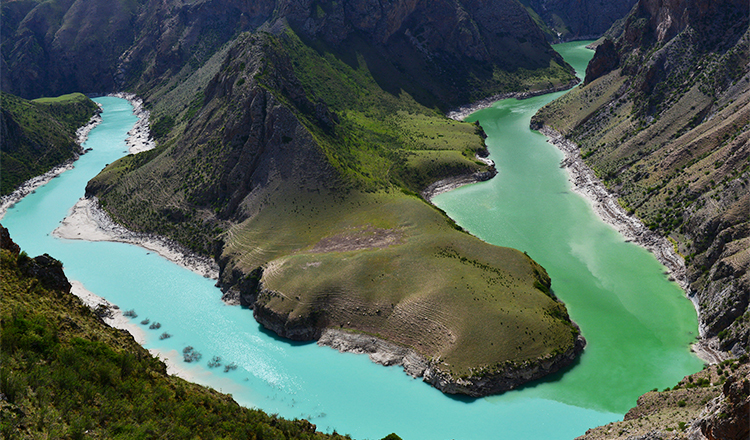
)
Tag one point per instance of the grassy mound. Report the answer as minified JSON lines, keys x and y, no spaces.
{"x":293,"y":160}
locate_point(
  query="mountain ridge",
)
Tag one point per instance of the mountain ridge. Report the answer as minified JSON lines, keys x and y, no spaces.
{"x":663,"y":120}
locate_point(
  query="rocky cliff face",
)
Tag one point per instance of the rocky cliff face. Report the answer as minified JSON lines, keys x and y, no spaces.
{"x":579,"y":19}
{"x":454,"y":48}
{"x":664,"y":119}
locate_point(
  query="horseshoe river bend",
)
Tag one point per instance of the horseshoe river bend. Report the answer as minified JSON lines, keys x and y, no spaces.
{"x":638,"y":324}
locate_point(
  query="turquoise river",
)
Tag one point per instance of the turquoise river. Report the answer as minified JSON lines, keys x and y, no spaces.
{"x":638,"y":324}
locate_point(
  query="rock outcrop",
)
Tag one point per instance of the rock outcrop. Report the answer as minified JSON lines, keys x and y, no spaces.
{"x":580,"y":19}
{"x":663,"y":120}
{"x":46,"y":269}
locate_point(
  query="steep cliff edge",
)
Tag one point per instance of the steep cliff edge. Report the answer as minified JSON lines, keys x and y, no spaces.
{"x":300,"y":174}
{"x":712,"y":404}
{"x":664,"y":120}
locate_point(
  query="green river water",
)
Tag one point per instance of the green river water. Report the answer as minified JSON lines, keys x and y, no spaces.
{"x":638,"y":324}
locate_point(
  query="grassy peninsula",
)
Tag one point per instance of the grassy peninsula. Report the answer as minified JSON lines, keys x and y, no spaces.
{"x":302,"y":175}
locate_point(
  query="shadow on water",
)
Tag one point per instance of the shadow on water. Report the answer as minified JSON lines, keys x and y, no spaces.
{"x":285,"y":341}
{"x":552,"y":378}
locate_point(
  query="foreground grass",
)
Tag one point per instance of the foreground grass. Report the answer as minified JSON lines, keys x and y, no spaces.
{"x":65,"y":374}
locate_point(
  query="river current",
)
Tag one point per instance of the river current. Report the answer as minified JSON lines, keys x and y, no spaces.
{"x":637,"y":323}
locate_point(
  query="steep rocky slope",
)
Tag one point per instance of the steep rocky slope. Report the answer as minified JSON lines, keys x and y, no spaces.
{"x":457,"y":51}
{"x":36,"y":136}
{"x":712,"y":404}
{"x":566,"y":20}
{"x":664,"y":120}
{"x":300,"y":174}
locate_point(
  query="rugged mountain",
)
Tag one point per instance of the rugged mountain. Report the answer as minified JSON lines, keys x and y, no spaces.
{"x":457,"y":51}
{"x":66,"y":374}
{"x":664,"y":120}
{"x":300,"y":174}
{"x":712,"y":404}
{"x":36,"y":136}
{"x":565,"y":20}
{"x":295,"y":156}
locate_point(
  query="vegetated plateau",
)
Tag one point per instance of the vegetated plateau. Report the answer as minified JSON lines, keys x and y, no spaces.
{"x":664,"y":120}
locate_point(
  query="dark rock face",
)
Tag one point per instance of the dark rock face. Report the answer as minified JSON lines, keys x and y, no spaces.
{"x":100,"y":46}
{"x":729,"y":416}
{"x":305,"y":327}
{"x":580,"y":19}
{"x":605,"y":60}
{"x":48,"y":270}
{"x":7,"y":243}
{"x":45,"y":268}
{"x":450,"y":46}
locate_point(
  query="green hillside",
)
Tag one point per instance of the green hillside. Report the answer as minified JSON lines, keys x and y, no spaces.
{"x":301,"y":174}
{"x":38,"y":135}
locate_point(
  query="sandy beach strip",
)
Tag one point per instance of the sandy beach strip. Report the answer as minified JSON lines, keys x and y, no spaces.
{"x":115,"y":318}
{"x":87,"y":221}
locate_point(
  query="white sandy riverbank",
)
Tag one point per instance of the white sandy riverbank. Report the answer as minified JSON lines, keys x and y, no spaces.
{"x":139,"y":137}
{"x":87,"y":221}
{"x":29,"y":186}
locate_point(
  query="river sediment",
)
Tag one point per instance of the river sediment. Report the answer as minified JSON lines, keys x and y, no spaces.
{"x":606,"y":205}
{"x":88,"y":221}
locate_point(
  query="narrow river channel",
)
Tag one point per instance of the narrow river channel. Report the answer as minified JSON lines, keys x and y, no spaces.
{"x":637,"y":323}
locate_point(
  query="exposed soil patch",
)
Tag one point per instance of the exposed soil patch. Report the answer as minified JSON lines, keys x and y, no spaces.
{"x":368,"y":238}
